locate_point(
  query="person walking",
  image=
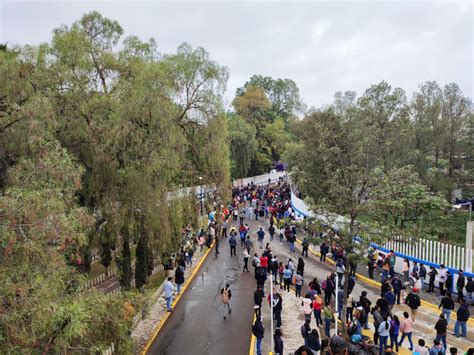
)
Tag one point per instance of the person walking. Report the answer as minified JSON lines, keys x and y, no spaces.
{"x":248,"y":244}
{"x":307,"y":304}
{"x":287,"y":278}
{"x":292,"y":240}
{"x":281,"y":269}
{"x":169,"y":290}
{"x":260,"y":237}
{"x":258,"y":298}
{"x":323,"y":250}
{"x":437,"y":348}
{"x":298,"y":283}
{"x":305,"y":330}
{"x":300,"y":266}
{"x":226,"y":294}
{"x":328,"y":286}
{"x":443,"y":277}
{"x":441,"y":327}
{"x":317,"y":306}
{"x":271,"y":231}
{"x":413,"y":301}
{"x":384,"y":332}
{"x":365,"y":303}
{"x":446,"y":306}
{"x":179,"y":278}
{"x":258,"y":331}
{"x":313,"y":342}
{"x":278,"y":341}
{"x":394,"y":331}
{"x":377,"y":321}
{"x":277,"y":308}
{"x":462,"y":318}
{"x":305,"y":245}
{"x":328,"y":314}
{"x":246,"y":260}
{"x":406,"y":270}
{"x":406,"y":327}
{"x":350,"y":304}
{"x":233,"y":244}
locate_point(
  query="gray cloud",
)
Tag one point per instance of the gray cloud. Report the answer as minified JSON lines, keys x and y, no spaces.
{"x":323,"y":46}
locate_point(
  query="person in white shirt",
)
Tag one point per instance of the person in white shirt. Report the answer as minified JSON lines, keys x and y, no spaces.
{"x":169,"y":289}
{"x":443,"y":276}
{"x":384,"y":333}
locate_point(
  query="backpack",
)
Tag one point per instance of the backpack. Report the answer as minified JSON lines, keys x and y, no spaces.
{"x":323,"y":285}
{"x":415,"y":301}
{"x":225,"y":295}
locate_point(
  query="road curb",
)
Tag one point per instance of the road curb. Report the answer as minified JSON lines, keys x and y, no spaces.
{"x":163,"y":320}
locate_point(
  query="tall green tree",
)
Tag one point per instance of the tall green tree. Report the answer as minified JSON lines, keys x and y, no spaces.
{"x":242,"y":145}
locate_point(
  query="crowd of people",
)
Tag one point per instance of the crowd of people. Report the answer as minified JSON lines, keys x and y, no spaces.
{"x":325,"y":300}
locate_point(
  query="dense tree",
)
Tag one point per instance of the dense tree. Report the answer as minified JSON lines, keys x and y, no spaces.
{"x":242,"y":145}
{"x":283,"y":94}
{"x":93,"y":128}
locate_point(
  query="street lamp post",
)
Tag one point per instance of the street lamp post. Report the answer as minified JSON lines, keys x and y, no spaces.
{"x":200,"y":195}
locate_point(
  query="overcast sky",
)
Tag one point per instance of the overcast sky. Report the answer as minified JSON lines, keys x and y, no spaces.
{"x":323,"y":46}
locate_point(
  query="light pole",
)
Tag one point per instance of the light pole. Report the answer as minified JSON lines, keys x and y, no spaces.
{"x":200,"y":195}
{"x":271,"y":312}
{"x":336,"y":304}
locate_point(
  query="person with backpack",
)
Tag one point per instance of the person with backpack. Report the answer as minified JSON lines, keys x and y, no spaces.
{"x":179,"y":278}
{"x":462,"y":318}
{"x":313,"y":342}
{"x":328,"y":287}
{"x":278,"y":347}
{"x":378,"y":319}
{"x":226,"y":294}
{"x":447,"y":305}
{"x":437,"y":348}
{"x":397,"y":287}
{"x":441,"y":327}
{"x":258,"y":331}
{"x":413,"y":301}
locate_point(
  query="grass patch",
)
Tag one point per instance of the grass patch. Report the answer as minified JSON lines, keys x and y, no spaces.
{"x":156,"y":280}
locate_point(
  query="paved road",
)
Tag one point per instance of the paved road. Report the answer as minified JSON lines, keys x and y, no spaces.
{"x":196,"y":325}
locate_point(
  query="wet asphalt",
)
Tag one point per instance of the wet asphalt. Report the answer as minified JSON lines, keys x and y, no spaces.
{"x":196,"y":325}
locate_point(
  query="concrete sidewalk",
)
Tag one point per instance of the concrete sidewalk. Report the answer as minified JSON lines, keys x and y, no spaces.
{"x":292,"y":315}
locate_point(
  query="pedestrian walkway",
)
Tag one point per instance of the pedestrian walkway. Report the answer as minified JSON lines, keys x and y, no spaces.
{"x":292,"y":313}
